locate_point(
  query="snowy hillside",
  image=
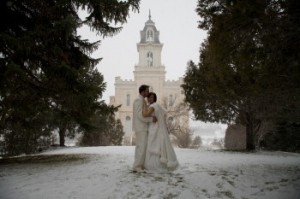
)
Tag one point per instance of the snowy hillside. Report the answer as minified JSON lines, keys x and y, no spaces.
{"x":104,"y":172}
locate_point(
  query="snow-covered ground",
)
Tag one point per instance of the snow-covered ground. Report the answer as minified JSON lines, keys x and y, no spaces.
{"x":104,"y":172}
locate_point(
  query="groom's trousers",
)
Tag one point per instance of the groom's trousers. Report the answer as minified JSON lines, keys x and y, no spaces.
{"x":140,"y":149}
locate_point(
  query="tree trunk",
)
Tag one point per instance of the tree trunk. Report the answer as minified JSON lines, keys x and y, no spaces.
{"x":250,"y":138}
{"x":62,"y":132}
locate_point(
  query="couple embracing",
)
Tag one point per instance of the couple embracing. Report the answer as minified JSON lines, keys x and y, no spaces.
{"x":154,"y":151}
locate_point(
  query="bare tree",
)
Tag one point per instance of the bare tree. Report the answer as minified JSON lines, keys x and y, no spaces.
{"x":177,"y":119}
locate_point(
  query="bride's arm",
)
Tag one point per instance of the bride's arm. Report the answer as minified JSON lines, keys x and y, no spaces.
{"x":147,"y":112}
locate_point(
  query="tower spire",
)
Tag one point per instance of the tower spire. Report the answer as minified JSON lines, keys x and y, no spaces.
{"x":149,"y":14}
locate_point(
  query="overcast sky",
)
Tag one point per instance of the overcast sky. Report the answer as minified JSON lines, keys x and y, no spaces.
{"x":177,"y":22}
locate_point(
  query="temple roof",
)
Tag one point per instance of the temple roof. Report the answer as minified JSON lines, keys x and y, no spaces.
{"x":149,"y":26}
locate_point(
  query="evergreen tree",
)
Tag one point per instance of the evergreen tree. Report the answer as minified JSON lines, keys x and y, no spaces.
{"x":249,"y":65}
{"x":116,"y":132}
{"x":108,"y":133}
{"x":48,"y":79}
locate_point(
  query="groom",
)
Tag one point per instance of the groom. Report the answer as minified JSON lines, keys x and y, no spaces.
{"x":140,"y":127}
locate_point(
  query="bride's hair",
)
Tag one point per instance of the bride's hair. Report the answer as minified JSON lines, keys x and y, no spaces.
{"x":154,"y":96}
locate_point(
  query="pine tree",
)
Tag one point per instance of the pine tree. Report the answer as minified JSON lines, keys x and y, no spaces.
{"x":48,"y":79}
{"x":109,"y":133}
{"x":249,"y":64}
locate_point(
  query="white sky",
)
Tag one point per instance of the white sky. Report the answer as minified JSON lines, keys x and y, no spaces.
{"x":177,"y":22}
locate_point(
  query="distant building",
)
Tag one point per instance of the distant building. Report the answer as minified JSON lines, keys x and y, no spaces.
{"x":149,"y":71}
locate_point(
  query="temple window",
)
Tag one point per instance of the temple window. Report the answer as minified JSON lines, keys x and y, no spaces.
{"x":171,"y":100}
{"x":149,"y":59}
{"x":150,"y":35}
{"x":128,"y":100}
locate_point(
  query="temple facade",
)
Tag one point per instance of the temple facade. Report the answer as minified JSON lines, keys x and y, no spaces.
{"x":149,"y":71}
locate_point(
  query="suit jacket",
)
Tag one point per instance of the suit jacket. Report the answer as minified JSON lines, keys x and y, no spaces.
{"x":139,"y":123}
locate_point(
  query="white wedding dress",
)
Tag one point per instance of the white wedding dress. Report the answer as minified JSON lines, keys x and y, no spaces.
{"x":160,"y":155}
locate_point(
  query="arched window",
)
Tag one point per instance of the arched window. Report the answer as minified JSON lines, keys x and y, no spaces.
{"x":128,"y":125}
{"x":149,"y":58}
{"x":149,"y":35}
{"x":128,"y":100}
{"x":171,"y":100}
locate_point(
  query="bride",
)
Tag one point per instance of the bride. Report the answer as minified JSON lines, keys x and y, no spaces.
{"x":160,"y":155}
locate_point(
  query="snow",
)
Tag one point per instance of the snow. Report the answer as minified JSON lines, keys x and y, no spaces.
{"x":104,"y":172}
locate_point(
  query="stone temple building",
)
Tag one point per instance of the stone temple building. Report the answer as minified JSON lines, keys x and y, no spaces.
{"x":149,"y":71}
